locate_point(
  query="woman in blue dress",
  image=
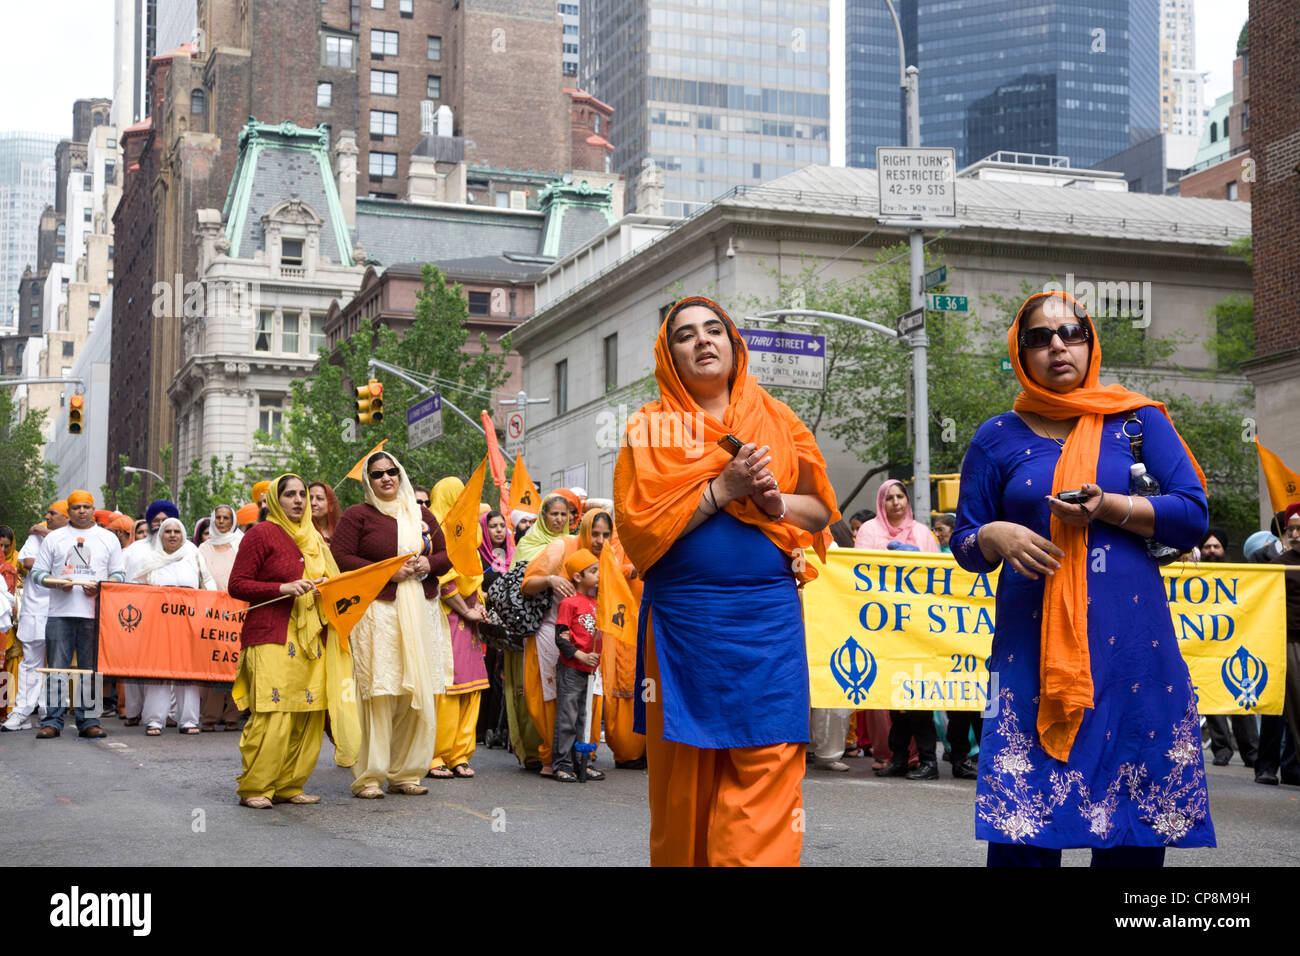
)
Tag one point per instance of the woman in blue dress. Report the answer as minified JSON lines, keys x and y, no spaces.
{"x":1096,"y":740}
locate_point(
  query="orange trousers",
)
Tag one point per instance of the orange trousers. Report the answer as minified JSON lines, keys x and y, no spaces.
{"x":619,"y":736}
{"x":542,"y":711}
{"x":736,"y":807}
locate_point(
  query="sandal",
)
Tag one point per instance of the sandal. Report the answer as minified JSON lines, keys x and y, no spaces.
{"x":190,"y":730}
{"x":230,"y":725}
{"x":463,"y":770}
{"x":408,"y":789}
{"x":133,"y":721}
{"x":547,"y":770}
{"x":301,"y":799}
{"x":593,"y":774}
{"x":440,"y":773}
{"x":207,"y":728}
{"x":153,"y":732}
{"x":257,"y":803}
{"x":370,"y":792}
{"x":563,"y":776}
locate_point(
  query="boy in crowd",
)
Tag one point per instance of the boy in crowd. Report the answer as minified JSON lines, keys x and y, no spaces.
{"x":579,"y":646}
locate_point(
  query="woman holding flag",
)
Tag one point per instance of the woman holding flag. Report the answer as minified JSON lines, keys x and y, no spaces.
{"x":458,"y":706}
{"x":717,"y":524}
{"x":401,"y":645}
{"x":292,"y":665}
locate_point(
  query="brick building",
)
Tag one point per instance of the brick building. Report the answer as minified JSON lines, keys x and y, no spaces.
{"x":1275,"y":225}
{"x":1224,"y":168}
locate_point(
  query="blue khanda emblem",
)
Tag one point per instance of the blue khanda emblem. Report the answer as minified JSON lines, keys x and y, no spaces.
{"x":1245,"y":676}
{"x":854,"y":668}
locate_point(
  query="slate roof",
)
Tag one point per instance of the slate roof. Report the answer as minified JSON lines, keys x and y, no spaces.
{"x":393,"y":232}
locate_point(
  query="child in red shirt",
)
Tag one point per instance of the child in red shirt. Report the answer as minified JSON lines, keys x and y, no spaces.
{"x":579,"y":645}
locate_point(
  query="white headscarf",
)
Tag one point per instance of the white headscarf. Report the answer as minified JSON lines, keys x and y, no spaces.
{"x":154,"y":557}
{"x":417,"y":676}
{"x":231,"y":537}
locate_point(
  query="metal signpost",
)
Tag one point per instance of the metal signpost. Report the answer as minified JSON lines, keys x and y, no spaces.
{"x":424,"y":421}
{"x":778,"y":357}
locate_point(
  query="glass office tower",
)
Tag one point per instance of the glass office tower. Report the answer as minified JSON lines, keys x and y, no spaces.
{"x":718,"y":92}
{"x":1078,"y":79}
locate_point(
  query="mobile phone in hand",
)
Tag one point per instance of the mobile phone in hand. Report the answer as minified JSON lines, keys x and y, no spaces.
{"x":730,"y":444}
{"x":1077,"y":497}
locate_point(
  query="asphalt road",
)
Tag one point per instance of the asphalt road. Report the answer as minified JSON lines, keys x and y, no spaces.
{"x":170,"y":800}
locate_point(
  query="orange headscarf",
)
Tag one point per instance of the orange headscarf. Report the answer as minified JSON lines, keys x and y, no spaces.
{"x":658,"y":484}
{"x":1065,"y":671}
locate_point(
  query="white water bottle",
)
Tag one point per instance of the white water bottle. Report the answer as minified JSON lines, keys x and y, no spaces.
{"x":1144,"y":485}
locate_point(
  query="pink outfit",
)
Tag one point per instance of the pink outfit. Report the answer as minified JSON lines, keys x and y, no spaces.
{"x":878,"y":532}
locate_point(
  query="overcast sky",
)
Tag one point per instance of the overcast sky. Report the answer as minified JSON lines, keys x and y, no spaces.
{"x":39,"y":84}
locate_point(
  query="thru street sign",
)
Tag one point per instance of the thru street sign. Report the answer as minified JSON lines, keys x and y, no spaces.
{"x":787,"y":359}
{"x":424,"y":421}
{"x":911,"y":321}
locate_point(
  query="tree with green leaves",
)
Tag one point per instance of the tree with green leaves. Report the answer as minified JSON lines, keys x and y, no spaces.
{"x":129,"y":496}
{"x":26,"y":480}
{"x":202,"y":491}
{"x":314,"y":443}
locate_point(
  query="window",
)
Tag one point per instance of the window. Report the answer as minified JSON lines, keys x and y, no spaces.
{"x":340,"y":51}
{"x":262,"y":336}
{"x":561,"y":387}
{"x":67,"y":349}
{"x":383,"y":164}
{"x":435,"y":48}
{"x":383,"y":43}
{"x":270,"y":415}
{"x":480,"y":303}
{"x":376,"y":4}
{"x":611,"y":362}
{"x":94,"y":301}
{"x":324,"y":94}
{"x":198,"y":103}
{"x":289,"y":333}
{"x":434,"y":90}
{"x":87,"y":214}
{"x":1232,"y":190}
{"x":317,"y":333}
{"x":110,"y":173}
{"x":502,"y":199}
{"x":36,"y":310}
{"x":1225,"y":126}
{"x":111,"y":143}
{"x":383,"y":123}
{"x":406,"y":7}
{"x":597,"y":127}
{"x":291,"y":252}
{"x":61,"y":230}
{"x":1214,"y":133}
{"x":383,"y":82}
{"x":63,"y":285}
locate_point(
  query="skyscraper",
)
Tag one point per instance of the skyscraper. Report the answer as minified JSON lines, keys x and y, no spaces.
{"x":1071,"y":79}
{"x":1182,"y":88}
{"x":26,"y":187}
{"x":718,"y":94}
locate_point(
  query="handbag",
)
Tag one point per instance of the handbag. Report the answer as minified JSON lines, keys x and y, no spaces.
{"x":1162,"y":554}
{"x":513,"y":615}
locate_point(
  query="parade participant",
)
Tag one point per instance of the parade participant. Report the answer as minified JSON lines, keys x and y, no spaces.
{"x":201,"y":531}
{"x":9,"y":644}
{"x":123,"y":527}
{"x":1096,"y":742}
{"x":157,"y":511}
{"x":497,"y":547}
{"x":579,"y":648}
{"x":172,"y":561}
{"x":618,"y":669}
{"x":943,"y":525}
{"x":458,"y":706}
{"x":141,"y":530}
{"x":75,"y":558}
{"x":325,"y":510}
{"x":1276,"y":760}
{"x":718,"y":539}
{"x":401,"y":645}
{"x":291,"y":665}
{"x":31,"y":623}
{"x":893,"y":523}
{"x":1213,"y":549}
{"x":216,"y":702}
{"x":421,"y":496}
{"x":521,"y":521}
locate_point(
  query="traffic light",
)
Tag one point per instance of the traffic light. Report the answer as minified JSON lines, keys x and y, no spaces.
{"x":76,"y":407}
{"x":948,"y":488}
{"x":370,"y":402}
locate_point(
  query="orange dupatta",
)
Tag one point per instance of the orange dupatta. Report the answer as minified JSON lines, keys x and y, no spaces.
{"x":1065,"y":671}
{"x":658,"y":482}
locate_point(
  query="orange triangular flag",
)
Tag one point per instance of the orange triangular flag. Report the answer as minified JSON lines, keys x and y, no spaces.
{"x":345,"y":597}
{"x":495,"y":461}
{"x":358,"y":470}
{"x":616,"y":608}
{"x":460,"y":526}
{"x":523,"y":496}
{"x":1283,"y":483}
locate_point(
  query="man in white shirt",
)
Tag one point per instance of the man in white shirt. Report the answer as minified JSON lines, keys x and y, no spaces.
{"x":74,"y":560}
{"x":31,"y":624}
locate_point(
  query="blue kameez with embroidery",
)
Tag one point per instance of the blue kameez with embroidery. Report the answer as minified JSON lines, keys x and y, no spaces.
{"x":1136,"y":774}
{"x":729,"y":637}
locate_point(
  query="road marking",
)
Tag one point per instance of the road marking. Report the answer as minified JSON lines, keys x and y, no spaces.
{"x":473,"y":813}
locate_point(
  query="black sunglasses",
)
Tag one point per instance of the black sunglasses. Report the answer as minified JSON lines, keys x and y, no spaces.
{"x":1072,"y":333}
{"x":379,"y":473}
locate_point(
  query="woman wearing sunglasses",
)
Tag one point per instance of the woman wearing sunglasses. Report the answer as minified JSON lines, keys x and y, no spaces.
{"x":401,"y":646}
{"x":1096,"y":741}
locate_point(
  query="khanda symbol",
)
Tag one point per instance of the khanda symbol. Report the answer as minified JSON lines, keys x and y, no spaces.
{"x":129,"y":617}
{"x":1245,"y":676}
{"x":855,"y":670}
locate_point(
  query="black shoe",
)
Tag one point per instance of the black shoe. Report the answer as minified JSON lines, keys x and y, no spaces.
{"x":893,"y":770}
{"x":1222,"y":760}
{"x":924,"y":771}
{"x":1248,"y":763}
{"x":965,"y":770}
{"x":1266,"y":776}
{"x":1291,"y":781}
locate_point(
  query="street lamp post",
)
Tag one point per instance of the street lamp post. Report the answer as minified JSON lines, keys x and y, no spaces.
{"x":131,"y":469}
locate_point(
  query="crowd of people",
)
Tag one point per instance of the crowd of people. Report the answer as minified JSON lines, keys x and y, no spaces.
{"x":1094,"y":700}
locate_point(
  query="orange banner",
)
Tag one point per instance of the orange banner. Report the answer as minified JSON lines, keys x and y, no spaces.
{"x":523,"y":496}
{"x":356,"y":474}
{"x":616,"y":608}
{"x":178,"y":634}
{"x":461,"y":528}
{"x":497,"y":462}
{"x":1283,"y":483}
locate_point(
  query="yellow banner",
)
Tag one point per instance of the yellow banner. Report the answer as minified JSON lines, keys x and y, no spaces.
{"x":895,"y":630}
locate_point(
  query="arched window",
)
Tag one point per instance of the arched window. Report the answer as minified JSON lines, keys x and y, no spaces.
{"x":1214,"y":133}
{"x":1225,"y":126}
{"x":198,"y":103}
{"x":61,"y":230}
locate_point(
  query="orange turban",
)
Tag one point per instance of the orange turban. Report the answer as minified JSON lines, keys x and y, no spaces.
{"x":121,"y":522}
{"x":579,"y":561}
{"x":259,"y":489}
{"x":658,"y":484}
{"x":103,"y":517}
{"x":247,"y":514}
{"x":61,"y":506}
{"x":80,"y":497}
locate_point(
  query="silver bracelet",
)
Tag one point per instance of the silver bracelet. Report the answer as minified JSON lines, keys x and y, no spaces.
{"x":1129,"y":515}
{"x":783,"y":510}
